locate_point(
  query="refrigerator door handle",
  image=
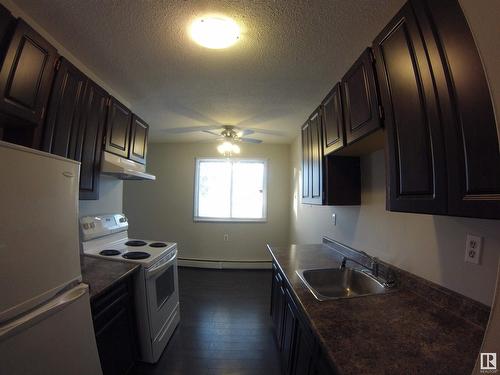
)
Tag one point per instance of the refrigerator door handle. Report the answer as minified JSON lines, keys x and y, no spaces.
{"x":33,"y":317}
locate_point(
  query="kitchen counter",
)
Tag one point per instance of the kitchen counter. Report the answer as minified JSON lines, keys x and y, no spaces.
{"x":101,"y":274}
{"x":421,"y":328}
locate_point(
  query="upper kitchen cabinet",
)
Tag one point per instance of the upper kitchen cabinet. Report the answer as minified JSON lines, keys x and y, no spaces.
{"x":442,"y":143}
{"x":63,"y":114}
{"x":118,"y":129}
{"x":416,"y":168}
{"x":138,"y":140}
{"x":359,"y":99}
{"x":333,"y":125}
{"x":88,"y":149}
{"x":7,"y":25}
{"x":327,"y":180}
{"x":470,"y":131}
{"x":25,"y":81}
{"x":312,"y":160}
{"x":75,"y":122}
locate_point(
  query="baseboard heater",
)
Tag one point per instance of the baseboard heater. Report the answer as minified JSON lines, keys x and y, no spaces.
{"x":224,"y":264}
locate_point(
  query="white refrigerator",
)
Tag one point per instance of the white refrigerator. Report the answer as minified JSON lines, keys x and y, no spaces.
{"x":45,"y":319}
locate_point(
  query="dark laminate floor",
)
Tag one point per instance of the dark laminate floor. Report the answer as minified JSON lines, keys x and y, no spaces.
{"x":225,"y":326}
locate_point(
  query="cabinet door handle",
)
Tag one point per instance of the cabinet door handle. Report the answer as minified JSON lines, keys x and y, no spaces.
{"x":68,"y":174}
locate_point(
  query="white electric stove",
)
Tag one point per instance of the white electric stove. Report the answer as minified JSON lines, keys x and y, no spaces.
{"x":156,"y":285}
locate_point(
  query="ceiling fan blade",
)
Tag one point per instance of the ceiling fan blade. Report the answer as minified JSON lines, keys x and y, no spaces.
{"x":243,"y":132}
{"x":276,"y":133}
{"x":211,"y":132}
{"x":250,"y":140}
{"x":190,"y":129}
{"x":211,"y":140}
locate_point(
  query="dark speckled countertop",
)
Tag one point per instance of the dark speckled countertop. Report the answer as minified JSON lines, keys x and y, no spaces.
{"x":396,"y":333}
{"x":101,"y":274}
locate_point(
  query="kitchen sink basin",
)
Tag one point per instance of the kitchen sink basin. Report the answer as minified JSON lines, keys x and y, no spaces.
{"x":336,"y":283}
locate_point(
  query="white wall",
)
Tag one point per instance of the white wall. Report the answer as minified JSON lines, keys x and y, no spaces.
{"x":163,"y":209}
{"x":432,"y":247}
{"x":110,"y":198}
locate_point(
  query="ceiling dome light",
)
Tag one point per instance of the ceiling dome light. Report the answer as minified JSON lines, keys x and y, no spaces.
{"x":215,"y":32}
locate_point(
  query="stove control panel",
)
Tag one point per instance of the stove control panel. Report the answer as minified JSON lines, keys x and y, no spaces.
{"x":98,"y":226}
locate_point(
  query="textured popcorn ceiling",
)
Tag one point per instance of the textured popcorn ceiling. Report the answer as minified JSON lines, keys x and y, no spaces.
{"x":289,"y":56}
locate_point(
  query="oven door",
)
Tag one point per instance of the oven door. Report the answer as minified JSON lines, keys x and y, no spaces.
{"x":162,"y":291}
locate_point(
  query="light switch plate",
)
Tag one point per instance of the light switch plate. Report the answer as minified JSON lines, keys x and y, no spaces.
{"x":473,"y":246}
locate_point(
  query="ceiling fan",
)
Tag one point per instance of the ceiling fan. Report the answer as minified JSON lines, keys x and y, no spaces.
{"x":226,"y":131}
{"x":229,"y":135}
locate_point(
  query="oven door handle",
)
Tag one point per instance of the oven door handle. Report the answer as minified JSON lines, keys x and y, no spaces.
{"x":160,"y":268}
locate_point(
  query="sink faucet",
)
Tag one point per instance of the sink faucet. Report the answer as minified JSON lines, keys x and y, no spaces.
{"x":373,"y":268}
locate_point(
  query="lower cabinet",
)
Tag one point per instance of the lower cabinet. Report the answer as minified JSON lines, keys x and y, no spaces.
{"x":300,"y":352}
{"x":114,"y":326}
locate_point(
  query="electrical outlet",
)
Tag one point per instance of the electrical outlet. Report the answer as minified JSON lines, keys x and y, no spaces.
{"x":473,"y":248}
{"x":226,"y":237}
{"x":334,"y":219}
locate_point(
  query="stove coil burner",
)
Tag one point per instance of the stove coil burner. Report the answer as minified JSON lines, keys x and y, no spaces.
{"x":135,"y":243}
{"x":158,"y":244}
{"x":109,"y":252}
{"x":136,"y":255}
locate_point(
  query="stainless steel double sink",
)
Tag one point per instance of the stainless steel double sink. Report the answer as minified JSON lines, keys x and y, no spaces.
{"x":336,"y":283}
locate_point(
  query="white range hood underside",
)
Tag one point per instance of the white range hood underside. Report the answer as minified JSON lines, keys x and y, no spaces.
{"x":124,"y":169}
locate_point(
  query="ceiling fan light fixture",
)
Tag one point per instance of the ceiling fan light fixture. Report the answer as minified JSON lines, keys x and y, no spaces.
{"x":228,"y":148}
{"x":215,"y":32}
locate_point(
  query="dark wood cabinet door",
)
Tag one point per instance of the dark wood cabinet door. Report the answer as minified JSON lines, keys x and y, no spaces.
{"x":316,"y":159}
{"x":333,"y":122}
{"x":114,"y":327}
{"x":312,"y":160}
{"x":302,"y":353}
{"x":64,"y":109}
{"x":277,"y":306}
{"x":289,"y":329}
{"x":7,"y":25}
{"x":359,"y":99}
{"x":470,"y":130}
{"x":90,"y":139}
{"x":75,"y":123}
{"x":138,"y":140}
{"x":416,"y":169}
{"x":118,"y":128}
{"x":306,"y":161}
{"x":25,"y":82}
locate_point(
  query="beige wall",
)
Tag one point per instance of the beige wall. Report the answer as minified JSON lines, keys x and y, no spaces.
{"x":110,"y":198}
{"x":429,"y":246}
{"x":163,"y":209}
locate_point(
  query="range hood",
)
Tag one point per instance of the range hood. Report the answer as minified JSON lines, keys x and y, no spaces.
{"x":122,"y":168}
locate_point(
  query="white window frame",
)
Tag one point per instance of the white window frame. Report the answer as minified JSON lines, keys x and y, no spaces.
{"x":197,"y":218}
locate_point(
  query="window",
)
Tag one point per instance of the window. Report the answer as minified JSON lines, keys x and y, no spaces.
{"x":230,"y":190}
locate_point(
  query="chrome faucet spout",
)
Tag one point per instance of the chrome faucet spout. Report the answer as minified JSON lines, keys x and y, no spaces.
{"x":374,"y":269}
{"x":342,"y":265}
